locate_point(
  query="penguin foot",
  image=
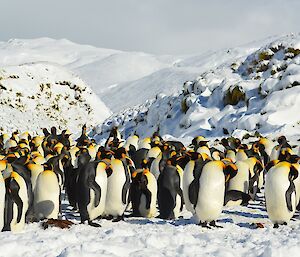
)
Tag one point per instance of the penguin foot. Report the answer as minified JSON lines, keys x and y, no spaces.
{"x":108,"y":217}
{"x":213,"y":224}
{"x":132,"y":215}
{"x":276,"y":226}
{"x":119,"y":218}
{"x":93,"y":224}
{"x":204,"y":225}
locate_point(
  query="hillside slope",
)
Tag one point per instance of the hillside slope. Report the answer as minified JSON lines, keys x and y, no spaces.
{"x":255,"y":92}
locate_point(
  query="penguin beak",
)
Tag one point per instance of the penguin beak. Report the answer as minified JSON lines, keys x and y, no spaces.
{"x":227,"y":178}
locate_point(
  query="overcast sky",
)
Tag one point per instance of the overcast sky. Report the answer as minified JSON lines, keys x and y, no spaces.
{"x":154,"y":26}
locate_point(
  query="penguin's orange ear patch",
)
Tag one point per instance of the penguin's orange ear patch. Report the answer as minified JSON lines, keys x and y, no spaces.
{"x":204,"y":156}
{"x":230,"y":171}
{"x":145,"y":171}
{"x":173,"y":153}
{"x":134,"y":174}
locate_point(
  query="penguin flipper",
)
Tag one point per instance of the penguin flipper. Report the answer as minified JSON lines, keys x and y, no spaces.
{"x":252,"y":188}
{"x":14,"y":187}
{"x":193,"y":191}
{"x":148,"y":195}
{"x":288,"y":196}
{"x":179,"y":191}
{"x":125,"y":189}
{"x":126,"y":185}
{"x":93,"y":185}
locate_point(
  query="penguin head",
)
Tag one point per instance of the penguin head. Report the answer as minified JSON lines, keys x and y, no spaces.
{"x":165,"y":147}
{"x":14,"y":135}
{"x":236,"y":142}
{"x":204,"y":156}
{"x":11,"y":157}
{"x":83,"y":157}
{"x":139,"y":178}
{"x":271,"y":164}
{"x":173,"y":153}
{"x":155,"y":143}
{"x":224,"y":142}
{"x":3,"y":164}
{"x":104,"y":154}
{"x":255,"y":148}
{"x":230,"y":170}
{"x":48,"y":166}
{"x":193,"y":155}
{"x":46,"y":132}
{"x":216,"y":155}
{"x":281,"y":140}
{"x":145,"y":164}
{"x":58,"y":148}
{"x":53,"y":131}
{"x":65,"y":158}
{"x":37,"y":140}
{"x":242,"y":147}
{"x":120,"y":153}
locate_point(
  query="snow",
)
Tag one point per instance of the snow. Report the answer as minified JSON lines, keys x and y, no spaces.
{"x":157,"y":237}
{"x":41,"y":94}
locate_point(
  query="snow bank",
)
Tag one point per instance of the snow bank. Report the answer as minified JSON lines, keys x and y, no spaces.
{"x":37,"y":95}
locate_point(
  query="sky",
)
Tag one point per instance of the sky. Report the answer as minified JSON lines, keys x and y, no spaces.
{"x":153,"y":26}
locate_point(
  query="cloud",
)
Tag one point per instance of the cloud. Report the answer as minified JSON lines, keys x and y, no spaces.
{"x":155,"y":26}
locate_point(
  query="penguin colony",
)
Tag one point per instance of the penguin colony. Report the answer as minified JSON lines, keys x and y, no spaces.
{"x":148,"y":177}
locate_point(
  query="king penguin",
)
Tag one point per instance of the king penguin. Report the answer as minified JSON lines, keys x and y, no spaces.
{"x":47,"y":194}
{"x":280,"y":193}
{"x":16,"y":203}
{"x":212,"y":191}
{"x":92,"y":183}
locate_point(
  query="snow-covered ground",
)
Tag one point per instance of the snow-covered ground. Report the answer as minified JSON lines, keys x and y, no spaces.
{"x":157,"y":237}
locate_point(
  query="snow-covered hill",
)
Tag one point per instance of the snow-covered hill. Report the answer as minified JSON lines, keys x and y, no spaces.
{"x":121,"y":79}
{"x":102,"y":69}
{"x":257,"y":91}
{"x":36,"y":95}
